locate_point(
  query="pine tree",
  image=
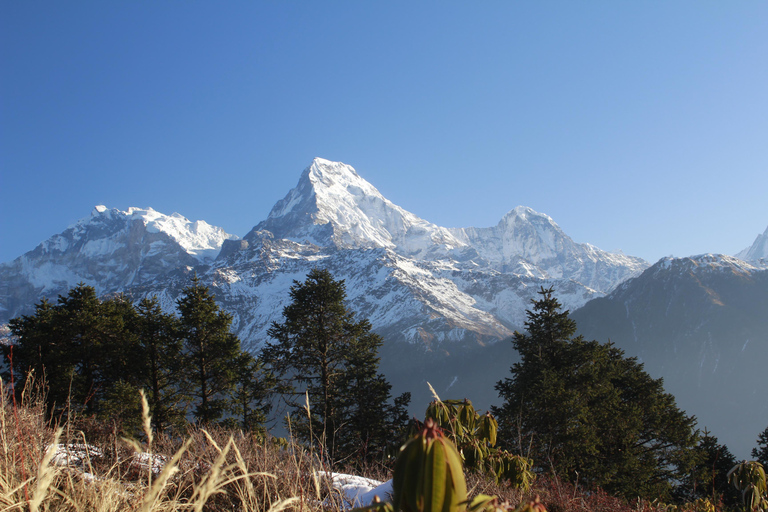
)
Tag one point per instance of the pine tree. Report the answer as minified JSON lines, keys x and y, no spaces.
{"x":160,"y":348}
{"x":251,"y":397}
{"x":708,"y":479}
{"x":583,"y":408}
{"x":96,"y":355}
{"x":371,"y":422}
{"x":80,"y":348}
{"x":79,"y":327}
{"x":38,"y":354}
{"x":119,"y":364}
{"x":119,"y":343}
{"x":334,"y":359}
{"x":209,"y":351}
{"x":760,"y":453}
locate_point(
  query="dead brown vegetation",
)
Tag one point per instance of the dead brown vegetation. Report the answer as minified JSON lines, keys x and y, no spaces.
{"x":208,"y":470}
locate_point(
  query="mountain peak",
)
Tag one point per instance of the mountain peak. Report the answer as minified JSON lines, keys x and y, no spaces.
{"x":524,"y":211}
{"x":531,"y":243}
{"x":333,"y":206}
{"x":328,"y":170}
{"x":757,"y":251}
{"x":322,"y":182}
{"x":705,"y":263}
{"x":199,"y":239}
{"x":528,"y":215}
{"x":336,"y":183}
{"x":111,"y":250}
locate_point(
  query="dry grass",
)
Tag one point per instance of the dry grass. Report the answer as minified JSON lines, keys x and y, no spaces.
{"x":209,"y":470}
{"x":560,"y":497}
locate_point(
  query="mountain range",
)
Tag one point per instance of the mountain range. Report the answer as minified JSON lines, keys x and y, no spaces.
{"x":415,"y":281}
{"x":441,"y":297}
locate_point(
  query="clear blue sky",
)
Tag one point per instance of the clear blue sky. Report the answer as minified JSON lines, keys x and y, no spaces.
{"x":640,"y":126}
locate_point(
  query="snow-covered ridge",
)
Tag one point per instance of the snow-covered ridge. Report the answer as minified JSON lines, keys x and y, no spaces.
{"x":531,"y":241}
{"x":113,"y":251}
{"x":697,"y":265}
{"x":415,"y":281}
{"x":708,"y":263}
{"x":198,"y":238}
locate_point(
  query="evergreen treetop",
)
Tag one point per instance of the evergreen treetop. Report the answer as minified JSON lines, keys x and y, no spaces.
{"x":209,"y":351}
{"x":322,"y":350}
{"x":581,"y":409}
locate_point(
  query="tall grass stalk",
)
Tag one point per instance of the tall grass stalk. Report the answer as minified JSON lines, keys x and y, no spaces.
{"x":45,"y":474}
{"x":153,"y":494}
{"x":146,"y":422}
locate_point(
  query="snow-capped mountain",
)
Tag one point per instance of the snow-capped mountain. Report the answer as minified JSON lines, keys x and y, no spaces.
{"x":112,"y":251}
{"x":757,"y":251}
{"x":415,"y":281}
{"x":332,"y":206}
{"x":530,"y":243}
{"x":700,"y":322}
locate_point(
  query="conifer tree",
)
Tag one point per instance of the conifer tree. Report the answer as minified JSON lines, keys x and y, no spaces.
{"x":708,"y":479}
{"x":79,"y":327}
{"x":251,"y":397}
{"x":209,"y":349}
{"x":81,"y":348}
{"x":583,"y":408}
{"x":37,"y":354}
{"x":331,"y":356}
{"x":160,"y":349}
{"x":372,"y":423}
{"x":760,"y":453}
{"x":119,"y":343}
{"x":120,"y":365}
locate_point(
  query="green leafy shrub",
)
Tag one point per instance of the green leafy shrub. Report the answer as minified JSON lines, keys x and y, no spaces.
{"x":429,"y":477}
{"x":428,"y":474}
{"x":749,"y":479}
{"x":475,"y":438}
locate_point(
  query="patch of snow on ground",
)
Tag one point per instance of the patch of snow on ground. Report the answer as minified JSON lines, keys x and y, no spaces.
{"x":358,"y":491}
{"x":74,"y":454}
{"x":149,"y":462}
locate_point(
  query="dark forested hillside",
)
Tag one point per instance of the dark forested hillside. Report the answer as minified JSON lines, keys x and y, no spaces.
{"x":702,"y":324}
